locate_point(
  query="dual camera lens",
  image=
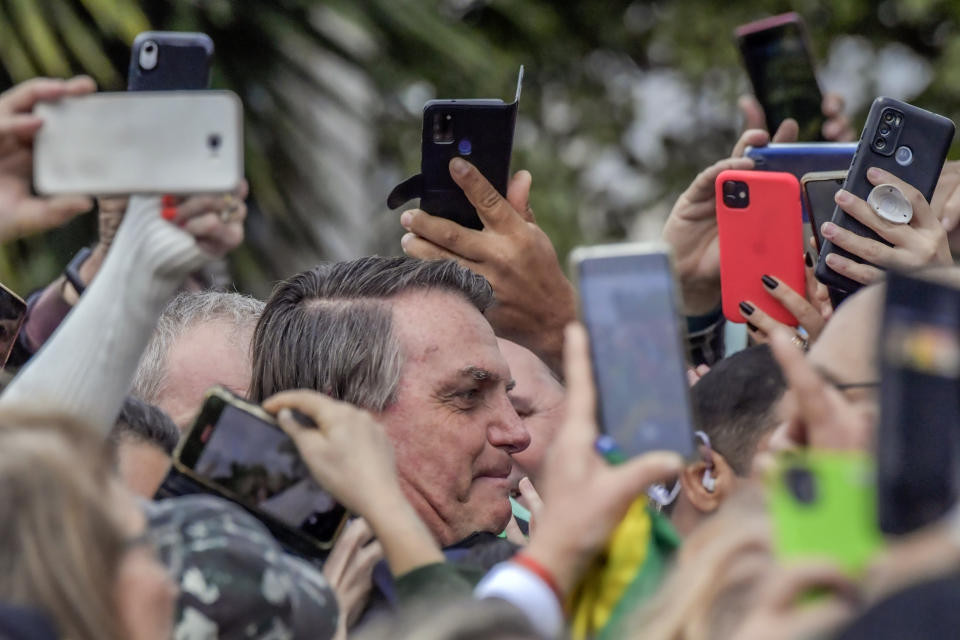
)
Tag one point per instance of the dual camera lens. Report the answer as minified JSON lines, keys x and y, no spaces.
{"x":443,"y":133}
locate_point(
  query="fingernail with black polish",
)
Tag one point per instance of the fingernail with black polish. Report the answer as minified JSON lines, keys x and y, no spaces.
{"x":808,"y":259}
{"x":769,"y":282}
{"x":751,"y":327}
{"x":746,"y":308}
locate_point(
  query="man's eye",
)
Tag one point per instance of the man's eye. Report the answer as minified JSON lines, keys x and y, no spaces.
{"x":469,"y":394}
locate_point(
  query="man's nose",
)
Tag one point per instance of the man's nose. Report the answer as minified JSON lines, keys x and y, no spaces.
{"x":506,"y":430}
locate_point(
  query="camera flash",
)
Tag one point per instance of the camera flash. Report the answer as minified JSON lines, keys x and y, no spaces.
{"x":904,"y":156}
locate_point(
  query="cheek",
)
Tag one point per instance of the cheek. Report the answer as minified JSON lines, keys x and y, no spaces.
{"x":145,"y":598}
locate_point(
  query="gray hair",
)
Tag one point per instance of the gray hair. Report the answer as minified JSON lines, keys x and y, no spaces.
{"x":330,"y":328}
{"x":184,"y":312}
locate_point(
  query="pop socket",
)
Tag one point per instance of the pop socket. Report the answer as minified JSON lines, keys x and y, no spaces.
{"x":890,"y":204}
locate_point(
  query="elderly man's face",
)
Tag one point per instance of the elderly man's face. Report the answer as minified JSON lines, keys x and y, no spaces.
{"x":452,"y":425}
{"x":540,"y":401}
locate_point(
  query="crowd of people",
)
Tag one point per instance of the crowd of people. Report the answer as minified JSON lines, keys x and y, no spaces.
{"x":445,"y":398}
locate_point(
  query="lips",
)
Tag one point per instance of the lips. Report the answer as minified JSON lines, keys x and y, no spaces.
{"x":500,"y":472}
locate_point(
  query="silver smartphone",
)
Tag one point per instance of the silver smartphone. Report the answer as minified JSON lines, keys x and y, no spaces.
{"x":629,"y":303}
{"x":169,"y":142}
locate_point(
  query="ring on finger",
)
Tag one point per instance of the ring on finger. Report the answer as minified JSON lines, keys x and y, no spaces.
{"x":800,"y":342}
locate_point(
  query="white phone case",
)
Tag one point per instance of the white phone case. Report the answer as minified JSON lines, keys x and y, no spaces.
{"x":169,"y":142}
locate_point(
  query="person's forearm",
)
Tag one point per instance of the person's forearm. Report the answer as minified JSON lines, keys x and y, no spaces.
{"x":407,"y":543}
{"x":86,"y":367}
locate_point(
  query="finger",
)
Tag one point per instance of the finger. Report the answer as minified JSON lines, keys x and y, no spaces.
{"x":801,"y":378}
{"x":869,"y":249}
{"x":206,"y":225}
{"x":343,"y":551}
{"x":833,"y":105}
{"x":368,"y":556}
{"x":750,"y":138}
{"x":837,"y":130}
{"x":581,"y":395}
{"x":36,"y":215}
{"x":195,"y":206}
{"x":518,"y":194}
{"x":529,"y":497}
{"x":22,"y":97}
{"x":417,"y":247}
{"x":862,"y":273}
{"x":703,"y":369}
{"x":759,"y":319}
{"x":752,"y":112}
{"x":23,"y":126}
{"x":817,"y":619}
{"x":798,"y":306}
{"x":922,"y":213}
{"x":797,"y":580}
{"x":243,"y":190}
{"x":313,"y":404}
{"x":704,"y":186}
{"x":364,"y":533}
{"x":447,"y":234}
{"x":494,"y":211}
{"x":950,"y":211}
{"x":649,"y":468}
{"x":692,"y":377}
{"x":79,"y":85}
{"x":788,"y":131}
{"x":514,"y":534}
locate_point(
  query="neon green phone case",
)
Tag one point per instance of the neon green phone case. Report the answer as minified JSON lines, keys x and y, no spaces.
{"x":824,"y":504}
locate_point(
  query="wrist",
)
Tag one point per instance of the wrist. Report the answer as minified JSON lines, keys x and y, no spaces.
{"x":563,"y":564}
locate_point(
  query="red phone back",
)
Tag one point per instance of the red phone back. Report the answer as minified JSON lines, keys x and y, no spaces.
{"x":766,"y":237}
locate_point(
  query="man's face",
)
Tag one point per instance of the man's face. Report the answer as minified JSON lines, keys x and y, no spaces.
{"x":208,"y":354}
{"x":540,"y":401}
{"x":452,"y":425}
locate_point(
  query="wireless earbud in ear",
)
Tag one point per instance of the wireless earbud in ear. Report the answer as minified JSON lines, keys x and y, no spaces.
{"x":709,"y":482}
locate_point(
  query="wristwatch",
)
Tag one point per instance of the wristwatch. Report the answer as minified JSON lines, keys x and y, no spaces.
{"x":72,"y":272}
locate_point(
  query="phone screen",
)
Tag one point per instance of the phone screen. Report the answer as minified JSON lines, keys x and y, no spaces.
{"x":13,"y":311}
{"x":783,"y":77}
{"x":819,"y":196}
{"x":629,"y":310}
{"x":919,"y":435}
{"x":257,"y":462}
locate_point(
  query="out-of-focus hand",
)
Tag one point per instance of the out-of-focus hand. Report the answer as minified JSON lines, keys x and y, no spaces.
{"x":922,"y":242}
{"x":779,"y":610}
{"x":22,"y":213}
{"x":348,"y":452}
{"x":585,"y":498}
{"x":823,"y":417}
{"x":349,"y":570}
{"x":836,"y":128}
{"x":946,"y":203}
{"x":534,"y":298}
{"x":695,"y":373}
{"x":811,"y":310}
{"x":691,"y":227}
{"x":215,"y":220}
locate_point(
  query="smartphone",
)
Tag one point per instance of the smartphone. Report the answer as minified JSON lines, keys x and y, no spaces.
{"x":140,"y":142}
{"x":776,"y":54}
{"x":13,"y":312}
{"x":479,"y":130}
{"x":918,"y":439}
{"x":629,"y":304}
{"x":237,"y":450}
{"x":907,"y":141}
{"x":819,"y":189}
{"x":170,"y":61}
{"x":823,"y":504}
{"x":759,"y":233}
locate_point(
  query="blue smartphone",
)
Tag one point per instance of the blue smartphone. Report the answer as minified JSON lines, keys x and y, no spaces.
{"x":801,"y":158}
{"x":170,"y":61}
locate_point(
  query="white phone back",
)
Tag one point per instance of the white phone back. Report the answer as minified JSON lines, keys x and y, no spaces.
{"x":169,"y":142}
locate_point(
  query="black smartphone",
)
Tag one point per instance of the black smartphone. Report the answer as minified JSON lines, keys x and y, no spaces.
{"x":170,"y":61}
{"x":236,"y":449}
{"x":776,"y":53}
{"x":905,"y":140}
{"x":819,"y":189}
{"x":13,"y":312}
{"x":629,"y":305}
{"x":479,"y":130}
{"x":918,"y":440}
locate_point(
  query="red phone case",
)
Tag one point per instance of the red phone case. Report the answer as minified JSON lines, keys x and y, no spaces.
{"x":766,"y":237}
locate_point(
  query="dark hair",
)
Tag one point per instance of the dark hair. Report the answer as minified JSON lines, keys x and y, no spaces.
{"x":145,"y":423}
{"x":734,"y":404}
{"x":330,"y":328}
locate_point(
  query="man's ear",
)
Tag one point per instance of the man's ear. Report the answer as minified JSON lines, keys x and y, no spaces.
{"x":697,"y":484}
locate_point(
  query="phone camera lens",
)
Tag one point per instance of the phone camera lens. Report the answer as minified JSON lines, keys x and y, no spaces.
{"x":888,"y":117}
{"x":884,"y":130}
{"x":802,"y":484}
{"x":880,"y":144}
{"x":213,"y":141}
{"x":148,"y":48}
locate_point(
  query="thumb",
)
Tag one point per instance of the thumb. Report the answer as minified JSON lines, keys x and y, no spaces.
{"x":752,"y":112}
{"x":641,"y":472}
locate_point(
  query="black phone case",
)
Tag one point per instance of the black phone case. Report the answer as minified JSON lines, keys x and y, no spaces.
{"x":183,"y":62}
{"x":488,"y":126}
{"x":927,"y":134}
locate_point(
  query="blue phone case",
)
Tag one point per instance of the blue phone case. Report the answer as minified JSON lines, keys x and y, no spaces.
{"x":183,"y":62}
{"x":800,"y":158}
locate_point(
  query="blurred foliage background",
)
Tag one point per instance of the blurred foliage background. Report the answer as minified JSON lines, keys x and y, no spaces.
{"x":624,"y":101}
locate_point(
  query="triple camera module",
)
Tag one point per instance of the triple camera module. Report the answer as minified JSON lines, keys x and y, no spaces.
{"x":888,"y":134}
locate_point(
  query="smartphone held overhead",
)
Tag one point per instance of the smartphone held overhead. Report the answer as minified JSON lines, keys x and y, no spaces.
{"x":162,"y":142}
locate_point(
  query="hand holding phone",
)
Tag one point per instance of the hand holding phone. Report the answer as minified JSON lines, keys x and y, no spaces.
{"x":13,"y":311}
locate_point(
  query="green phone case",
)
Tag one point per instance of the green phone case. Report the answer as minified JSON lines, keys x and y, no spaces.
{"x":824,"y":504}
